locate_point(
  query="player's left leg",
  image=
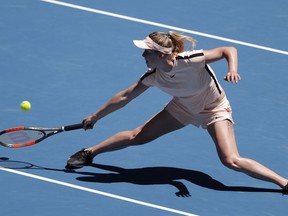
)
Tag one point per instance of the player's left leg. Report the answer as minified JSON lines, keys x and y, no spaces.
{"x":222,"y":133}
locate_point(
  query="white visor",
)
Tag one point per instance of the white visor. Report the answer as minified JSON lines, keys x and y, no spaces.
{"x":148,"y":43}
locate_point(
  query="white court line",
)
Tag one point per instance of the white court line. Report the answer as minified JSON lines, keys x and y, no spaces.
{"x":96,"y":192}
{"x":166,"y":26}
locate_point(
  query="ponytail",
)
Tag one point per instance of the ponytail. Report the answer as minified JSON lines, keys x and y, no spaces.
{"x":173,"y":40}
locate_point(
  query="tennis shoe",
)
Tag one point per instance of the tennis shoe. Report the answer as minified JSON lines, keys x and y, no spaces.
{"x":285,"y":190}
{"x":80,"y":159}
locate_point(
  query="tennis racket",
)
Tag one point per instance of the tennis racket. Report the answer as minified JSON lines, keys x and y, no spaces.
{"x":19,"y":137}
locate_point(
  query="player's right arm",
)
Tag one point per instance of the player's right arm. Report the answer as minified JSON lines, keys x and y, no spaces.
{"x":118,"y":101}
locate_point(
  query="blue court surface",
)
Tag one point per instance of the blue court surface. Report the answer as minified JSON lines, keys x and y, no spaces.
{"x":69,"y":57}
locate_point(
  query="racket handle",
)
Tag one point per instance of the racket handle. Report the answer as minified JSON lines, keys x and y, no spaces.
{"x":73,"y":127}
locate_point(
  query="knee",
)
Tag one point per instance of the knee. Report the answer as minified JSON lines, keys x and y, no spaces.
{"x":138,"y":137}
{"x":231,"y":162}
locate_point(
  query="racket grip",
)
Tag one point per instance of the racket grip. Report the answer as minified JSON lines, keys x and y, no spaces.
{"x":73,"y":127}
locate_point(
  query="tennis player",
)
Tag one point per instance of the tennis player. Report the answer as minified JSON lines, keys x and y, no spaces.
{"x":198,"y":99}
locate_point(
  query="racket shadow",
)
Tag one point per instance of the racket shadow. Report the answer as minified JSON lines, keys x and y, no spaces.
{"x":164,"y":176}
{"x":19,"y":165}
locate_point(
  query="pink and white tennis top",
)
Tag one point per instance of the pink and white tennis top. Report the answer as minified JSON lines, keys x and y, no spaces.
{"x":191,"y":82}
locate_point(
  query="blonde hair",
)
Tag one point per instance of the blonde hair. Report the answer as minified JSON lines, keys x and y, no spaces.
{"x":173,"y":40}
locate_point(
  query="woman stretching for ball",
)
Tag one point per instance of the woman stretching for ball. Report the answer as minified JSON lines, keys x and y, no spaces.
{"x":198,"y":99}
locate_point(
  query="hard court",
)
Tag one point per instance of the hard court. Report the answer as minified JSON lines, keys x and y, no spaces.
{"x":69,"y":57}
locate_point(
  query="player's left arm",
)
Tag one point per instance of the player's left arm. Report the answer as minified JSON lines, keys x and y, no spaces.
{"x":231,"y":56}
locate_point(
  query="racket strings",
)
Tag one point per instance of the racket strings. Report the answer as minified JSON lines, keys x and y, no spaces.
{"x":21,"y":136}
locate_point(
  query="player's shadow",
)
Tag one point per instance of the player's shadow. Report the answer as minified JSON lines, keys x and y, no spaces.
{"x":163,"y":176}
{"x":143,"y":176}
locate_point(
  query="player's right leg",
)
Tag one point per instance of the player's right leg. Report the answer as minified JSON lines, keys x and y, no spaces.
{"x":162,"y":123}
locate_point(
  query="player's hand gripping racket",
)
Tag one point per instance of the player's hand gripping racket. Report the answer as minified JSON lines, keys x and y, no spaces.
{"x":26,"y":136}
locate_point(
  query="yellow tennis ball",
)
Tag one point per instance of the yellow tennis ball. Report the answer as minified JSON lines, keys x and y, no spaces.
{"x":25,"y":105}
